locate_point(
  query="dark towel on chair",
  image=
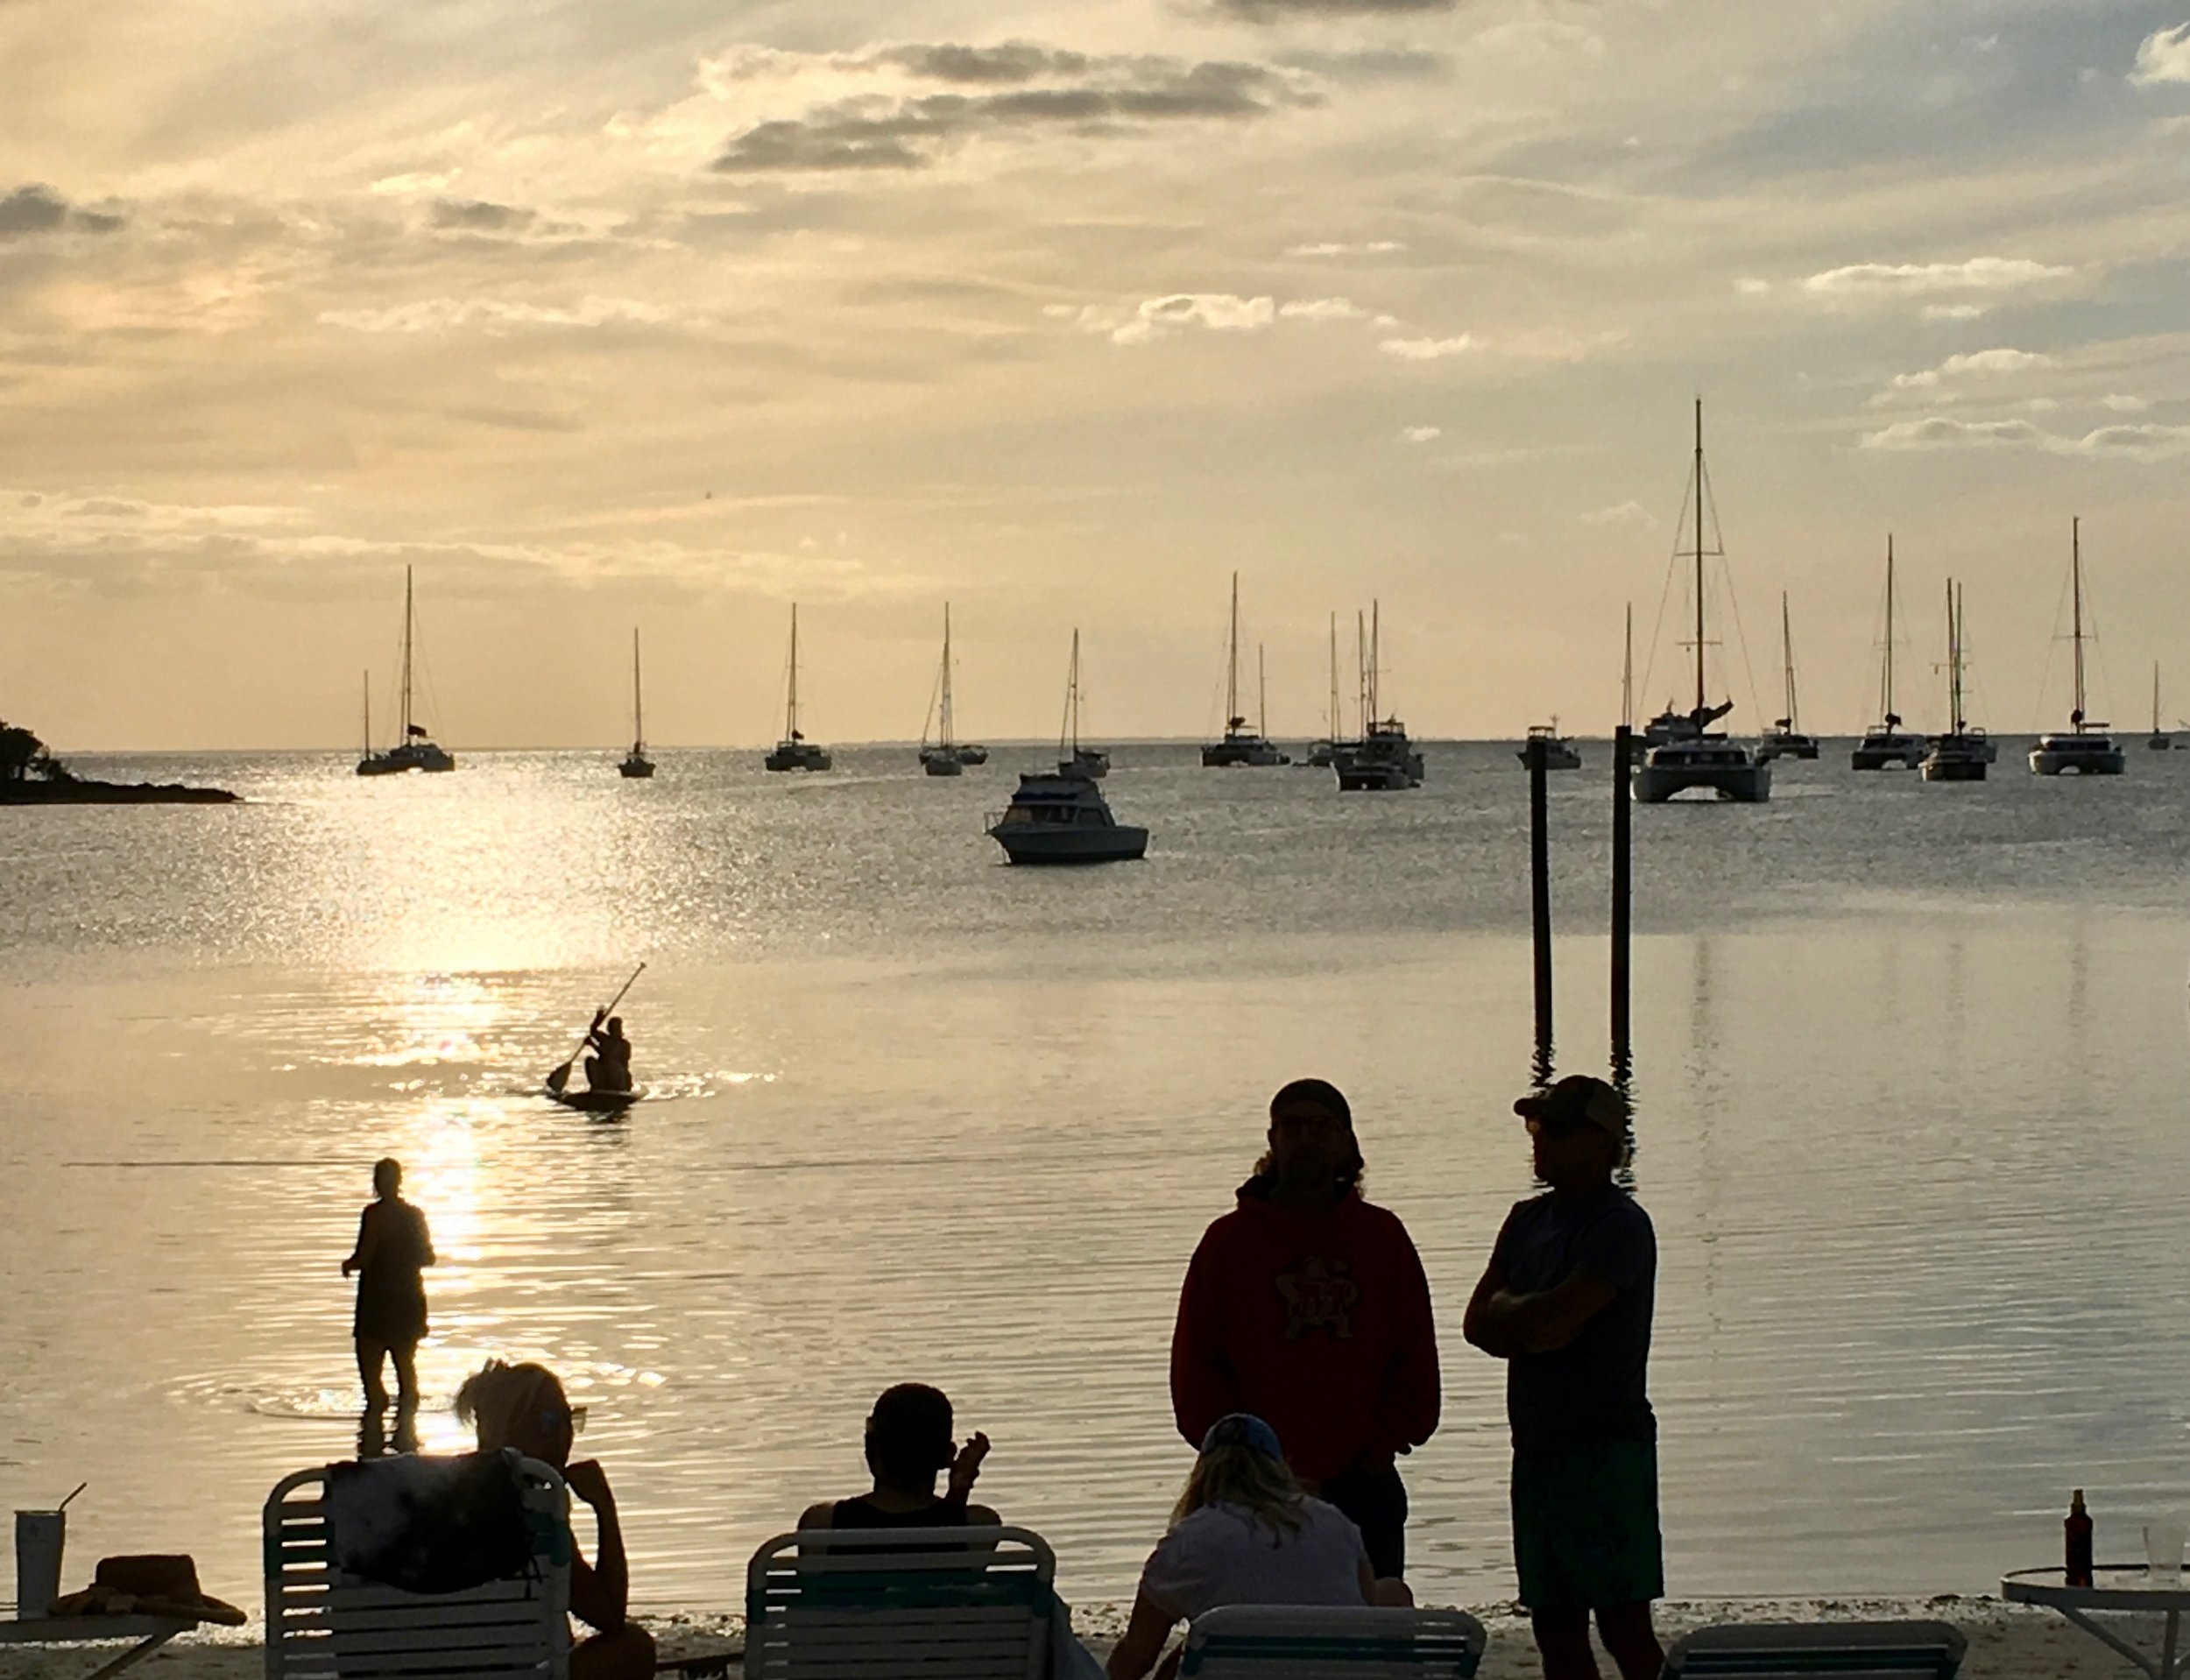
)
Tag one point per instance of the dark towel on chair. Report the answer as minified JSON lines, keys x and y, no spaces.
{"x":429,"y":1525}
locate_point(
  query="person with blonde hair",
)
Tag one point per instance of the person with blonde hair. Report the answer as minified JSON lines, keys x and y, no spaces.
{"x":1244,"y":1532}
{"x":524,"y":1407}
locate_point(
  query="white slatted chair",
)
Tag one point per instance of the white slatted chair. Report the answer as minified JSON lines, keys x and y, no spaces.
{"x":1260,"y":1641}
{"x":324,"y":1624}
{"x":900,"y":1604}
{"x":1848,"y":1650}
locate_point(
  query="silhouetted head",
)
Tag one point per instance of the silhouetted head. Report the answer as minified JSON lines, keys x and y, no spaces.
{"x":909,"y":1436}
{"x":519,"y":1406}
{"x":1577,"y":1131}
{"x":1312,"y":1146}
{"x":616,"y":1027}
{"x":387,"y":1178}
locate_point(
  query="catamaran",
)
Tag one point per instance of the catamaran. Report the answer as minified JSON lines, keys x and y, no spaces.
{"x":1073,"y":759}
{"x":945,"y":757}
{"x":1962,"y":753}
{"x":1784,"y":739}
{"x":1240,"y":745}
{"x":1688,"y":755}
{"x":2085,"y":748}
{"x":1885,"y":744}
{"x":795,"y":752}
{"x":413,"y":748}
{"x":636,"y":766}
{"x":1383,"y":760}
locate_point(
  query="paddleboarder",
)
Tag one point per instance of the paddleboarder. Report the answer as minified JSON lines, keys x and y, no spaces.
{"x":609,"y":1068}
{"x":393,"y":1246}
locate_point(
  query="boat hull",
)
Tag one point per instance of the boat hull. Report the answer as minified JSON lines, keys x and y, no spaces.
{"x":1090,"y":763}
{"x":973,"y":755}
{"x":2052,"y":758}
{"x":1744,"y":784}
{"x":1252,"y":752}
{"x":1937,"y":767}
{"x":1030,"y":844}
{"x":1786,"y":746}
{"x":636,"y":768}
{"x":941,"y":762}
{"x":797,"y":755}
{"x":397,"y":759}
{"x":597,"y":1102}
{"x":1889,"y":752}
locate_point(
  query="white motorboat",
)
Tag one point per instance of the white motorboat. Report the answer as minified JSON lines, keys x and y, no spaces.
{"x":1384,"y":760}
{"x":1885,"y":744}
{"x":1962,"y":753}
{"x":636,"y":766}
{"x":1064,"y":819}
{"x":1089,"y":762}
{"x":1558,"y":752}
{"x":2085,"y":748}
{"x":795,"y":752}
{"x":1240,"y":744}
{"x":1785,"y":739}
{"x":944,"y":757}
{"x":414,"y":748}
{"x":1688,"y":755}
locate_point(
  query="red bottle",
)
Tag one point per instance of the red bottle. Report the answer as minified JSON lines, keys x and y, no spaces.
{"x":2078,"y":1527}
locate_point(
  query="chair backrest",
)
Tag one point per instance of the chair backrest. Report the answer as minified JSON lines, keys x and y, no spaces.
{"x":324,"y":1623}
{"x":1332,"y":1642}
{"x":900,"y":1604}
{"x":1849,"y":1650}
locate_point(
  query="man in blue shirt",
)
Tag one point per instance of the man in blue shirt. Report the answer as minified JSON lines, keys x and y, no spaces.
{"x":1566,"y":1302}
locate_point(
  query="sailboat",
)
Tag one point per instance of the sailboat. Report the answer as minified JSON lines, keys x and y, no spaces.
{"x":1690,"y":756}
{"x":1962,"y":753}
{"x":1885,"y":744}
{"x":2159,"y":740}
{"x":2086,"y":748}
{"x":414,"y":748}
{"x":1319,"y":752}
{"x":1383,"y":759}
{"x":636,"y":766}
{"x":1240,"y":745}
{"x":942,"y":759}
{"x":1073,"y":759}
{"x":795,"y":752}
{"x":1784,"y":739}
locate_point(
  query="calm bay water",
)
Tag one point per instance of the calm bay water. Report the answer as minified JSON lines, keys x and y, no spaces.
{"x":1910,"y":1066}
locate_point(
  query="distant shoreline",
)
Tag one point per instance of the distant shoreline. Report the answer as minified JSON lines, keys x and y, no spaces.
{"x":111,"y":792}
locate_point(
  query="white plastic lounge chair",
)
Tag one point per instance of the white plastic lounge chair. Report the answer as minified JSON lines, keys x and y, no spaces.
{"x":324,"y":1624}
{"x":900,"y":1604}
{"x":1332,"y":1642}
{"x":1848,"y":1650}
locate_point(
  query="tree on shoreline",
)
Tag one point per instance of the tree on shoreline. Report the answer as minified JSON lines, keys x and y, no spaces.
{"x":23,"y":755}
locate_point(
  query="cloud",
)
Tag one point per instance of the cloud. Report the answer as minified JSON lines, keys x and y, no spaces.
{"x":872,"y":131}
{"x":1421,"y":433}
{"x":1367,"y":248}
{"x":478,"y":216}
{"x":446,"y":314}
{"x":1374,"y":64}
{"x":1953,"y":311}
{"x":2122,"y":405}
{"x":1995,"y":361}
{"x":2142,"y":442}
{"x":1428,"y":350}
{"x":1216,"y":312}
{"x":1271,"y":11}
{"x":1322,"y":309}
{"x":2163,"y":56}
{"x":36,"y":208}
{"x":1624,"y":513}
{"x":1886,"y":280}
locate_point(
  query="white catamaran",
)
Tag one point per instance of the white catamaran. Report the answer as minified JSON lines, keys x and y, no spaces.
{"x":413,"y":748}
{"x":2085,"y":748}
{"x":1240,"y":744}
{"x":1885,"y":744}
{"x":795,"y":752}
{"x":636,"y":766}
{"x":1962,"y":753}
{"x":1686,"y":755}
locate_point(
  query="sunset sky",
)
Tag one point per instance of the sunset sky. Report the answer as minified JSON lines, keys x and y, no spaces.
{"x":663,"y":314}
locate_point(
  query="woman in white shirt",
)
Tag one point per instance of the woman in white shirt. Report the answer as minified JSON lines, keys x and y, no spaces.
{"x":1245,"y":1532}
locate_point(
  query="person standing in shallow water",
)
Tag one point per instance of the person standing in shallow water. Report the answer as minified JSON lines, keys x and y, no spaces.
{"x":393,"y":1246}
{"x":1308,"y":1307}
{"x":1566,"y":1301}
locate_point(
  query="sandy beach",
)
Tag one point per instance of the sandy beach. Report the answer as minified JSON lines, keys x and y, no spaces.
{"x":2006,"y":1641}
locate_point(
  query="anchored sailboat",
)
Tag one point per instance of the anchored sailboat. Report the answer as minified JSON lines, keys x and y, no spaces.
{"x":2159,"y":740}
{"x":1319,"y":752}
{"x":1240,"y":745}
{"x":942,"y":759}
{"x":1383,"y":759}
{"x":1885,"y":744}
{"x":1686,"y":756}
{"x":636,"y":766}
{"x":1962,"y":753}
{"x":2085,"y":749}
{"x":414,"y":748}
{"x":1784,"y":739}
{"x":1073,"y":759}
{"x":795,"y":752}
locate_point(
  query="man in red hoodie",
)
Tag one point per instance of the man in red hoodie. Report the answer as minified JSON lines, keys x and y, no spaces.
{"x":1308,"y":1307}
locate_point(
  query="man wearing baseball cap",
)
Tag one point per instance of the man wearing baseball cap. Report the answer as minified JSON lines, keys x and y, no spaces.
{"x":1566,"y":1302}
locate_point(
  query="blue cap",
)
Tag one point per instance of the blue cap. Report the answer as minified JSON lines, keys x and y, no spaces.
{"x":1243,"y":1430}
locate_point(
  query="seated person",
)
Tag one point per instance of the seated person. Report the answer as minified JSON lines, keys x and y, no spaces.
{"x":524,"y":1407}
{"x":1244,"y":1532}
{"x":609,"y":1067}
{"x":909,"y":1442}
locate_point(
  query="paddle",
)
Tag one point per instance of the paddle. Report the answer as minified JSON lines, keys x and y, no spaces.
{"x":561,"y":1076}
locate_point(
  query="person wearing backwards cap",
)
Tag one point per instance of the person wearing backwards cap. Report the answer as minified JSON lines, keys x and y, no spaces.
{"x":1566,"y":1302}
{"x":1244,"y":1532}
{"x":1307,"y":1306}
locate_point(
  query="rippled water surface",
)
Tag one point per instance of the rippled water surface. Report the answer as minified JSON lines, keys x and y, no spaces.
{"x":1909,"y":1070}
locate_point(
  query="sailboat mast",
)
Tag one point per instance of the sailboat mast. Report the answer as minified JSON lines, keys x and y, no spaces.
{"x":1360,"y":676}
{"x":638,"y":711}
{"x":1376,"y":661}
{"x":1071,"y":730}
{"x":368,"y":712}
{"x":1700,"y":704}
{"x":2155,"y":696}
{"x":2075,"y":575}
{"x":1627,"y":673}
{"x":1787,"y":659}
{"x":1954,"y":663}
{"x":790,"y":697}
{"x":1334,"y":677}
{"x":1262,"y":695}
{"x":1886,"y":710}
{"x":1231,"y":663}
{"x":404,"y":738}
{"x":946,"y":674}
